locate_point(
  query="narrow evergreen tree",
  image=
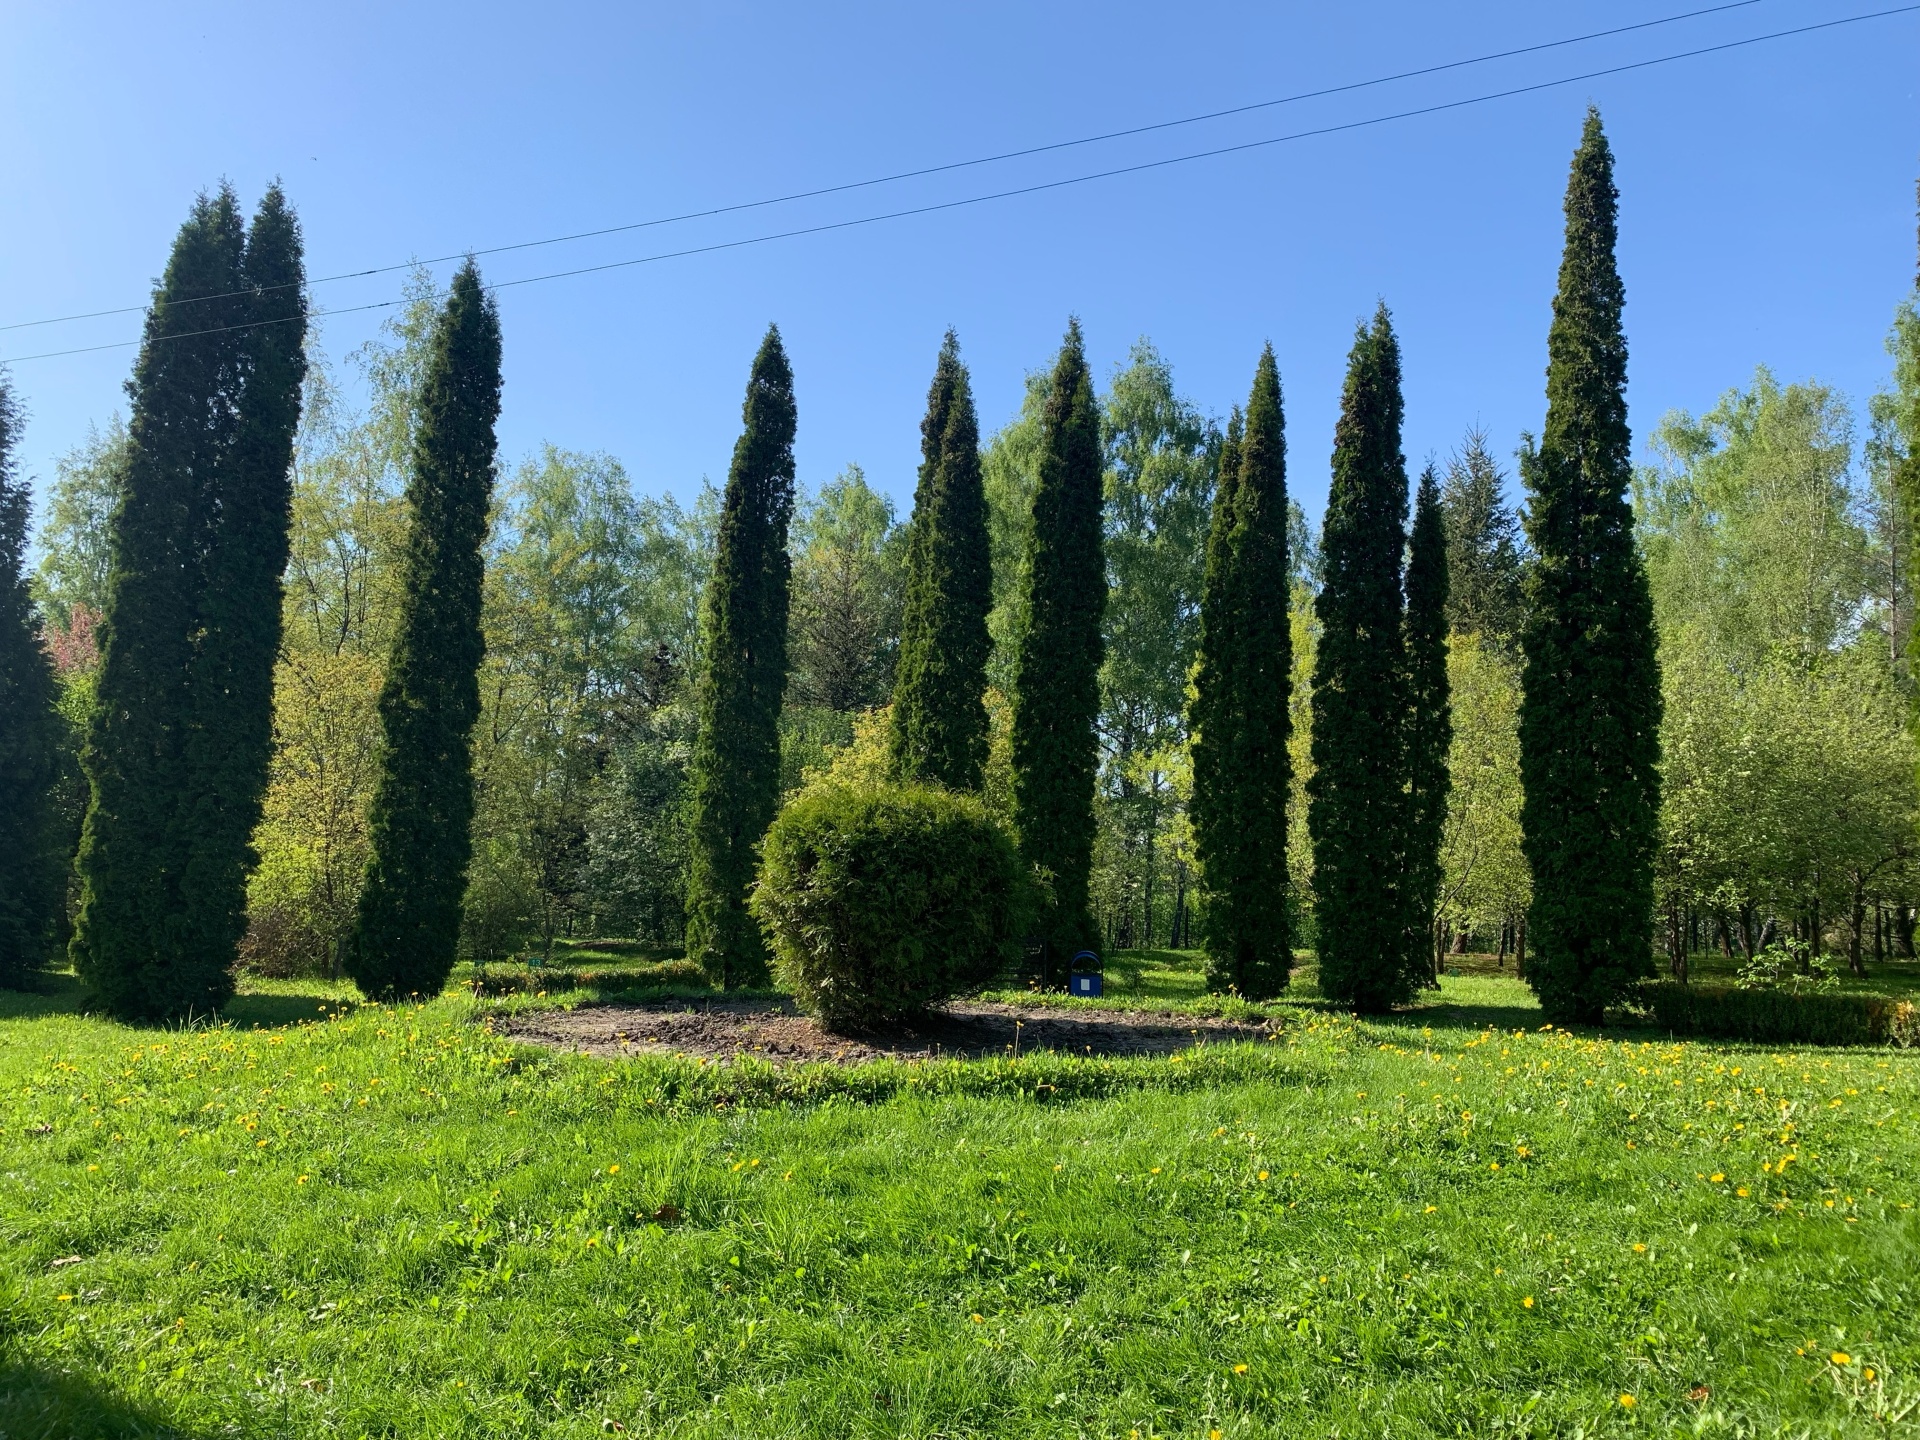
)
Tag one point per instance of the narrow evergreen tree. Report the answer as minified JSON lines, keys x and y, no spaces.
{"x":1590,"y":686}
{"x":1485,"y":551}
{"x":1429,"y":717}
{"x":939,"y":720}
{"x":1241,"y":767}
{"x":1057,"y":690}
{"x":176,"y":752}
{"x":29,"y":736}
{"x":421,"y":819}
{"x":1357,"y":796}
{"x":229,"y":741}
{"x":735,"y":767}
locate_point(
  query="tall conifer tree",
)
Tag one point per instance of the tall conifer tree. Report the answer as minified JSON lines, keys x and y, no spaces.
{"x":1057,"y":694}
{"x":30,"y":870}
{"x":735,"y":767}
{"x":1590,"y":686}
{"x":421,"y":820}
{"x":1357,"y":797}
{"x":1429,"y":716}
{"x":939,"y":721}
{"x":177,"y":748}
{"x":1241,"y":767}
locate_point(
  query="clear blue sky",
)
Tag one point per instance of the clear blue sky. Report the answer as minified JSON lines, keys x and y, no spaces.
{"x":1767,"y":199}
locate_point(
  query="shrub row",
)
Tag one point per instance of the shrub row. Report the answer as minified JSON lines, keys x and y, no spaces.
{"x":1780,"y":1017}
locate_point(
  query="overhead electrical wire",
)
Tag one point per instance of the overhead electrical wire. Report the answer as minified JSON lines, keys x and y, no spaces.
{"x":933,"y":169}
{"x":1042,"y":186}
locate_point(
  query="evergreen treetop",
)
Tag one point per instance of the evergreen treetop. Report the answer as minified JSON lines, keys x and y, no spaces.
{"x":939,"y":717}
{"x":1485,"y":549}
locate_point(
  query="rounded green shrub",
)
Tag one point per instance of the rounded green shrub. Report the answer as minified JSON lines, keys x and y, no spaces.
{"x":879,"y":902}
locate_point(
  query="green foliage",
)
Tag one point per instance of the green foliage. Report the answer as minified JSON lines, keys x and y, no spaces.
{"x":1162,"y":456}
{"x":1357,"y":794}
{"x":735,"y":768}
{"x":1590,"y":707}
{"x":1484,"y":877}
{"x":75,"y":539}
{"x":1240,"y":717}
{"x":1057,"y":696}
{"x":1485,"y":549}
{"x":30,"y":735}
{"x":178,"y":748}
{"x":881,"y":902}
{"x":1429,"y":716}
{"x":849,"y":558}
{"x":939,"y":715}
{"x":420,"y":821}
{"x":1780,"y":1015}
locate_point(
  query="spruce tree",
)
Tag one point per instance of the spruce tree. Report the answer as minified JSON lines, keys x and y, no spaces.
{"x":1429,"y":716}
{"x":1057,"y":689}
{"x":1485,"y":550}
{"x":1590,"y":684}
{"x":177,"y":744}
{"x":939,"y":720}
{"x":1357,"y":796}
{"x":420,"y":822}
{"x":30,"y":870}
{"x":734,"y":773}
{"x":1241,"y":767}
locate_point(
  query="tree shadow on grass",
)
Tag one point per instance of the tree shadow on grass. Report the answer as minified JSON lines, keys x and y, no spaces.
{"x":266,"y":1011}
{"x":37,"y":1403}
{"x":61,"y":993}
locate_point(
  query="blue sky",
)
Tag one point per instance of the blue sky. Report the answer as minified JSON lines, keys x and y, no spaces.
{"x":1767,"y":200}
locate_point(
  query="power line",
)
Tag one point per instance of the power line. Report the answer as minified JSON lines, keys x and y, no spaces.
{"x":1070,"y":180}
{"x":933,"y":169}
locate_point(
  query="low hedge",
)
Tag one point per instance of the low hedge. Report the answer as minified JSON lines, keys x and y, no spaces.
{"x":1780,"y":1017}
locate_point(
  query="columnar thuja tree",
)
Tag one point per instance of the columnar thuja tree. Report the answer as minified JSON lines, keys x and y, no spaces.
{"x":1429,"y":715}
{"x":29,"y":736}
{"x":1057,"y":694}
{"x":735,"y":766}
{"x":1241,"y":767}
{"x":1357,"y":809}
{"x":939,"y":718}
{"x":421,"y":819}
{"x":180,"y":739}
{"x":1590,"y":702}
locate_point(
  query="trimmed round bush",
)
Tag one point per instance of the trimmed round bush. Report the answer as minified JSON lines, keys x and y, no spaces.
{"x":879,"y":902}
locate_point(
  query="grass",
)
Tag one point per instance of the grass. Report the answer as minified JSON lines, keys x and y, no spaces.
{"x":327,"y":1219}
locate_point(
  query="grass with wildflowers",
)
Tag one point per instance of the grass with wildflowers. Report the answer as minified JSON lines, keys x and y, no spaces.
{"x":321,"y":1218}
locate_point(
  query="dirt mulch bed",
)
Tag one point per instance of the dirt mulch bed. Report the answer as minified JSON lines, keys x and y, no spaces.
{"x":776,"y":1031}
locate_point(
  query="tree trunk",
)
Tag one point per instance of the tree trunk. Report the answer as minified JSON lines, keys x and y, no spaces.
{"x":1856,"y":949}
{"x":1520,"y":948}
{"x":1500,"y":958}
{"x":1461,"y":940}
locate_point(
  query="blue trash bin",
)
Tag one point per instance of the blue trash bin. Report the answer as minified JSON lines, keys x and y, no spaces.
{"x":1085,"y":978}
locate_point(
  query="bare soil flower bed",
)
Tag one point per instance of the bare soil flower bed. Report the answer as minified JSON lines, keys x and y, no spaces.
{"x":776,"y":1031}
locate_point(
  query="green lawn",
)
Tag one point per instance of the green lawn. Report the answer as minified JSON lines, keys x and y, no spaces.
{"x":325,"y":1219}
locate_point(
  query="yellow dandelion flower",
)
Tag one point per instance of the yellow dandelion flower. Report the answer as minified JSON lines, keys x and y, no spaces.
{"x":63,"y":1298}
{"x":1716,"y":1177}
{"x":301,"y":1180}
{"x":1528,"y":1302}
{"x":1741,"y":1192}
{"x":1627,"y":1402}
{"x":1841,"y":1357}
{"x":1869,"y":1374}
{"x":1263,"y":1174}
{"x":1494,"y":1166}
{"x":977,"y":1320}
{"x":613,"y":1169}
{"x":1240,"y":1369}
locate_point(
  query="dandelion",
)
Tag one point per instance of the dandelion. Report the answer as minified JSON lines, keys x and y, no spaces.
{"x":1240,"y":1369}
{"x":63,"y":1298}
{"x":1263,"y":1174}
{"x":1430,"y":1209}
{"x":1494,"y":1166}
{"x":978,"y":1320}
{"x":302,"y":1179}
{"x":1869,"y":1374}
{"x":1716,"y":1177}
{"x":1741,"y":1192}
{"x":1841,"y":1357}
{"x":1528,"y":1302}
{"x":1627,"y":1402}
{"x":613,"y":1169}
{"x":1639,"y":1249}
